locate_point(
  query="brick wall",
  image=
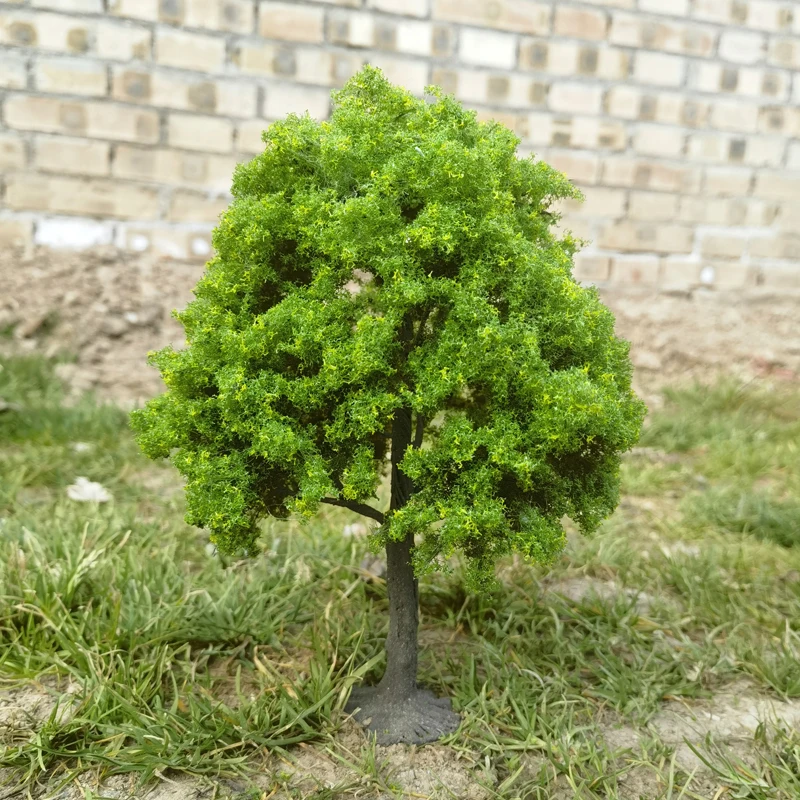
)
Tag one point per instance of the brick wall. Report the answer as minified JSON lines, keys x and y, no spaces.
{"x":121,"y":120}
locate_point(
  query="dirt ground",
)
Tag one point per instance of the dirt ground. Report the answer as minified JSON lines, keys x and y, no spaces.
{"x":110,"y":309}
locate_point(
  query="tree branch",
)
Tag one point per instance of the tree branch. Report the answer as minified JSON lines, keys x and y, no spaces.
{"x":419,"y":432}
{"x":359,"y":508}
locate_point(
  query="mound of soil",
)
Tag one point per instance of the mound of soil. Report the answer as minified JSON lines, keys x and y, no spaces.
{"x":110,"y":308}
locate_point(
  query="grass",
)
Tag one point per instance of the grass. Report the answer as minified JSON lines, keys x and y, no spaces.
{"x":152,"y":657}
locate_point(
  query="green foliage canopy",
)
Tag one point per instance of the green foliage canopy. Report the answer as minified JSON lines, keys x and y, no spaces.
{"x":397,"y":257}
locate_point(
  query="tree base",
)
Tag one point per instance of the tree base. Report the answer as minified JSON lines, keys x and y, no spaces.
{"x":420,"y":718}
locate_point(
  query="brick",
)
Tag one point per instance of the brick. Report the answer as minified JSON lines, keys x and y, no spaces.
{"x":95,"y":120}
{"x":697,"y":41}
{"x":413,"y":75}
{"x":708,"y":147}
{"x":677,"y":8}
{"x":646,"y":237}
{"x":582,"y":229}
{"x":742,"y":47}
{"x":589,"y":133}
{"x":726,"y":246}
{"x":12,"y":152}
{"x":576,"y":98}
{"x":581,"y":168}
{"x":71,"y":6}
{"x":446,"y":79}
{"x":283,"y":99}
{"x":327,"y":69}
{"x":693,"y":114}
{"x":487,"y":48}
{"x":522,"y":16}
{"x":413,"y":8}
{"x":96,"y":197}
{"x":739,"y":212}
{"x":134,"y":9}
{"x":779,"y":120}
{"x":612,"y":64}
{"x":194,"y":132}
{"x":123,"y":42}
{"x":769,"y":15}
{"x":540,"y":130}
{"x":623,"y":101}
{"x":518,"y":123}
{"x":13,"y":71}
{"x":680,"y":272}
{"x":47,"y":31}
{"x":591,"y":268}
{"x":599,"y":202}
{"x":713,"y":10}
{"x":764,"y":151}
{"x":727,"y":276}
{"x":793,"y":156}
{"x":70,"y":76}
{"x":776,"y":276}
{"x":746,"y":81}
{"x":657,"y":69}
{"x":72,"y":234}
{"x":647,"y":174}
{"x":785,"y":246}
{"x":190,"y":50}
{"x":303,"y":64}
{"x":784,"y":52}
{"x":161,"y":165}
{"x":626,"y":30}
{"x":631,"y":30}
{"x":728,"y":182}
{"x":556,"y":58}
{"x":234,"y":16}
{"x":268,"y":59}
{"x":195,"y":207}
{"x":416,"y":38}
{"x":16,"y":233}
{"x":653,"y":206}
{"x":732,"y":115}
{"x":73,"y":156}
{"x":354,"y":30}
{"x":290,"y":22}
{"x":579,"y":23}
{"x":176,"y":90}
{"x":635,"y":270}
{"x":658,"y":140}
{"x":611,"y":3}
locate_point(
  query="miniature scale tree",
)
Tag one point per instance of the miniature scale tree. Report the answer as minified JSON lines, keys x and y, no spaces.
{"x":388,"y":283}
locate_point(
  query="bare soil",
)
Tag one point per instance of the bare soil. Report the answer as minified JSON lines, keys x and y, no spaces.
{"x":109,"y":309}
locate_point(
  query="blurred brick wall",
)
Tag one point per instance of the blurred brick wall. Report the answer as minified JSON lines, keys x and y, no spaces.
{"x":121,"y":120}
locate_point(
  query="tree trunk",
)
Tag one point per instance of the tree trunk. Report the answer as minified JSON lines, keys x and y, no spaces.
{"x":397,"y":710}
{"x":400,"y":678}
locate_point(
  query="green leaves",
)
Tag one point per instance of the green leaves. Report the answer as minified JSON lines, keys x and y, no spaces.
{"x":397,"y":256}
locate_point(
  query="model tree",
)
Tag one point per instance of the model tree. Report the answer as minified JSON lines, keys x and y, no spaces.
{"x":388,"y":295}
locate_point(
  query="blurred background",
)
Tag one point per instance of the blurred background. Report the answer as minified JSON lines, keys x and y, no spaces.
{"x":122,"y":121}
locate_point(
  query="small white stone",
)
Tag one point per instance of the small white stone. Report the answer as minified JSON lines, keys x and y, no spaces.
{"x":707,"y":275}
{"x":86,"y":491}
{"x":200,"y":246}
{"x":139,"y":243}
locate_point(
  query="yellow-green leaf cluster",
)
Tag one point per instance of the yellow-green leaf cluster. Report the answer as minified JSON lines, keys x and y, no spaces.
{"x":398,"y":256}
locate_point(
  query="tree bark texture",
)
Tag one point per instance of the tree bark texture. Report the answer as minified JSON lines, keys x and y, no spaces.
{"x":400,"y":678}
